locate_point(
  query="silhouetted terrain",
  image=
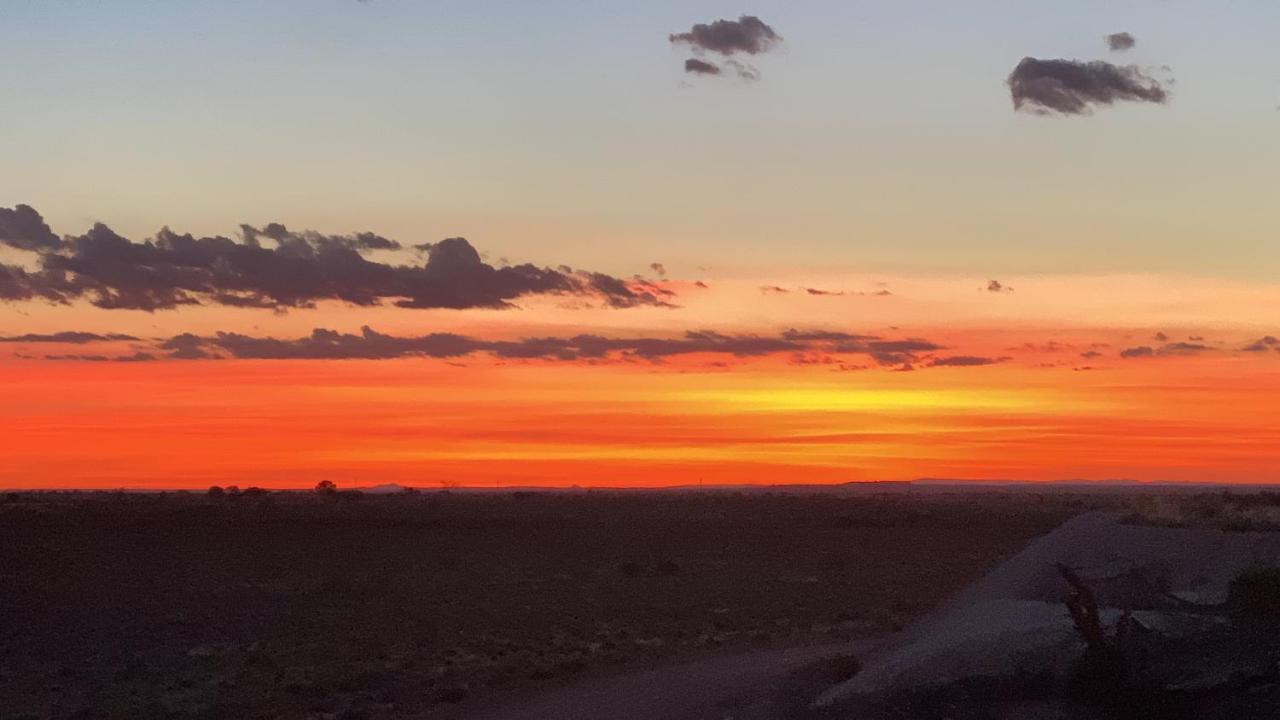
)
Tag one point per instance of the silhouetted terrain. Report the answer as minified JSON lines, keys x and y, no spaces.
{"x":292,"y":605}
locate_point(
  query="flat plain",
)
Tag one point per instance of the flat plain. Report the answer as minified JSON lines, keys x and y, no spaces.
{"x":298,"y":605}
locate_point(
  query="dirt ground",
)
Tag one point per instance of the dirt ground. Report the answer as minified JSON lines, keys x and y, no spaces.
{"x":290,"y":605}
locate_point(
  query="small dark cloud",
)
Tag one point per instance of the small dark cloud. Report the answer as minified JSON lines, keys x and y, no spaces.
{"x":812,"y":359}
{"x":1072,"y":87}
{"x":1184,"y":348}
{"x":995,"y":286}
{"x":186,"y":347}
{"x":890,"y":352}
{"x":1090,"y":354}
{"x":825,"y":336}
{"x":1135,"y":352}
{"x":748,"y":34}
{"x":1121,"y":41}
{"x":774,"y":289}
{"x":1050,"y":346}
{"x":695,"y":66}
{"x":910,"y":345}
{"x":700,"y":284}
{"x":658,"y":268}
{"x":1263,"y":344}
{"x":966,"y":361}
{"x":816,"y":291}
{"x":1160,"y":337}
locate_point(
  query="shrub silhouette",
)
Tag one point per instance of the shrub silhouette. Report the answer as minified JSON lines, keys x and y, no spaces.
{"x":1255,"y":592}
{"x":1106,"y":674}
{"x":326,"y":487}
{"x":216,"y":491}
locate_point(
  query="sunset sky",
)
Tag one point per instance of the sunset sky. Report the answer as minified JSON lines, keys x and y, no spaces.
{"x":704,"y":242}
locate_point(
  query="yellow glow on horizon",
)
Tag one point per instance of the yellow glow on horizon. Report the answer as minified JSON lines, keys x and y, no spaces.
{"x":844,"y":399}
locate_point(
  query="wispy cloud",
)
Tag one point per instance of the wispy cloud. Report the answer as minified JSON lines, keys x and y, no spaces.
{"x":70,"y":337}
{"x":1263,"y":344}
{"x":967,"y":361}
{"x":369,"y":344}
{"x":1165,"y":350}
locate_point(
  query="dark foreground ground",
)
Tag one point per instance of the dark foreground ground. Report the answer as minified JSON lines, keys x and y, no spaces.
{"x":301,"y":606}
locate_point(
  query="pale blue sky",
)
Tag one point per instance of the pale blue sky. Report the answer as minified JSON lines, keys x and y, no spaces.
{"x":880,"y":137}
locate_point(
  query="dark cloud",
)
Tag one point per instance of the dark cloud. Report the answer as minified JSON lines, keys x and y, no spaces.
{"x":995,"y":286}
{"x":1050,"y":346}
{"x":748,"y":34}
{"x":326,"y":344}
{"x":825,"y":336}
{"x":1121,"y":41}
{"x":186,"y":347}
{"x":1090,"y":354}
{"x":1160,"y":337}
{"x":701,"y":67}
{"x":774,"y":289}
{"x":372,"y":345}
{"x":966,"y":361}
{"x":273,"y":267}
{"x":66,"y":337}
{"x":816,"y":291}
{"x":136,"y":357}
{"x":15,"y":283}
{"x":368,"y":344}
{"x":912,"y":345}
{"x":1263,"y":344}
{"x":658,"y":268}
{"x":890,"y":352}
{"x":1073,"y":87}
{"x":1173,"y":348}
{"x":23,"y":228}
{"x":1184,"y":348}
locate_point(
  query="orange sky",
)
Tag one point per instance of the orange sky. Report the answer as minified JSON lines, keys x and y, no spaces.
{"x":1033,"y":377}
{"x":429,"y":423}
